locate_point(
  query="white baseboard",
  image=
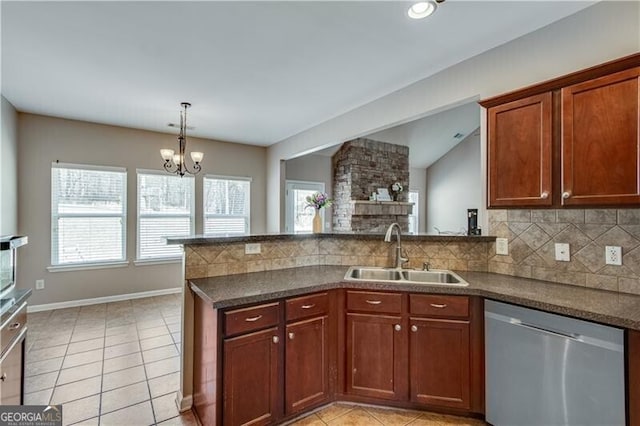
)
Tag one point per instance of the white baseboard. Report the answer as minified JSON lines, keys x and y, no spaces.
{"x":184,"y":403}
{"x":105,"y":299}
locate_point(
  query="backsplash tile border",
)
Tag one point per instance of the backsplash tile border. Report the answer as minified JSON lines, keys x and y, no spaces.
{"x":532,"y":235}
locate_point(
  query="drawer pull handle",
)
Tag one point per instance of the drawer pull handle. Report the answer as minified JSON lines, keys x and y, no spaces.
{"x":308,"y":306}
{"x":374,"y":302}
{"x":414,"y":328}
{"x":275,"y":339}
{"x":291,"y":336}
{"x":253,"y":319}
{"x":438,"y":305}
{"x":15,"y":326}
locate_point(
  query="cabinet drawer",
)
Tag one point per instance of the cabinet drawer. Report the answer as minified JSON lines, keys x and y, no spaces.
{"x":250,"y":319}
{"x":439,"y":306}
{"x":13,"y":325}
{"x":307,"y":306}
{"x":367,"y":301}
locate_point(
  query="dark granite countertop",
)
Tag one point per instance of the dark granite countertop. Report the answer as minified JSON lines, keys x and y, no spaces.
{"x":616,"y":309}
{"x":10,"y":300}
{"x":203,"y":239}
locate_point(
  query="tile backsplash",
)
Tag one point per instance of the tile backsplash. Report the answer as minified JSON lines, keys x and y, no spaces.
{"x":225,"y":259}
{"x":532,"y":235}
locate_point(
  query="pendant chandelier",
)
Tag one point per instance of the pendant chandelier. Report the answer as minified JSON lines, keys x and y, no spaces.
{"x":175,"y":163}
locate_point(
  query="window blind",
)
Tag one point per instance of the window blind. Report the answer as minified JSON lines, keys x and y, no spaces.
{"x":226,"y":205}
{"x":88,"y":214}
{"x":165,"y":209}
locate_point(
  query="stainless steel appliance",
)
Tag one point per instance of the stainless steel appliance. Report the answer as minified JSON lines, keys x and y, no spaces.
{"x":8,"y":246}
{"x":546,"y":369}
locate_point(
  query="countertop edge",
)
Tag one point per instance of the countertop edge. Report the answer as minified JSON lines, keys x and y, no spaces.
{"x":555,"y":308}
{"x":203,"y":239}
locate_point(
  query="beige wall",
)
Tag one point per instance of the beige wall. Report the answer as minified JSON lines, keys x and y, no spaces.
{"x":43,"y":140}
{"x":562,"y":47}
{"x":8,"y":169}
{"x":454,"y":184}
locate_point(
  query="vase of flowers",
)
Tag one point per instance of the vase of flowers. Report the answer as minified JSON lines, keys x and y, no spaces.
{"x":396,"y":189}
{"x":318,"y":201}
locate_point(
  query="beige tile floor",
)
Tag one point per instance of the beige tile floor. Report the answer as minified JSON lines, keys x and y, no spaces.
{"x":342,"y":414}
{"x":118,"y":364}
{"x":108,"y":364}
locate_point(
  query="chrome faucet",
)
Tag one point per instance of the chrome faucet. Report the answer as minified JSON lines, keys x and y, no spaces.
{"x":387,"y":238}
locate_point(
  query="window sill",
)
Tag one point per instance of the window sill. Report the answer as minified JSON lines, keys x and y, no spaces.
{"x":163,"y":261}
{"x":87,"y":266}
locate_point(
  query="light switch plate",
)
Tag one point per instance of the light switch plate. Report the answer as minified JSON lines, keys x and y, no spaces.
{"x":502,"y":246}
{"x":613,"y":255}
{"x":253,"y":248}
{"x":562,"y":252}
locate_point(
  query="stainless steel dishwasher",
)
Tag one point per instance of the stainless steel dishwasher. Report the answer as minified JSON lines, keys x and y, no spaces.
{"x":544,"y":369}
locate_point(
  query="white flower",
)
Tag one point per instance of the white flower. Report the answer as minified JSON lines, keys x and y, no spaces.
{"x":397,"y":187}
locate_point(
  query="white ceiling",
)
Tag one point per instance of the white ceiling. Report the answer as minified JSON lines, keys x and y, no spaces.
{"x":432,"y":137}
{"x":255,"y":72}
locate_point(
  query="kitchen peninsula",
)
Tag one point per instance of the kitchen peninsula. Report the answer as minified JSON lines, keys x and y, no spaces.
{"x":291,"y":301}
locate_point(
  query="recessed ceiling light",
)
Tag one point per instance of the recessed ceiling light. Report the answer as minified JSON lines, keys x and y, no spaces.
{"x":421,"y":9}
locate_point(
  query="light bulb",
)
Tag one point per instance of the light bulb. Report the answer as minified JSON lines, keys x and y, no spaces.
{"x":197,"y":156}
{"x":421,"y":10}
{"x":166,"y":154}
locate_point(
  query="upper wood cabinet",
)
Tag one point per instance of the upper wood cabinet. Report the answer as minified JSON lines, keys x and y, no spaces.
{"x":571,"y":141}
{"x":600,"y":153}
{"x":520,"y":152}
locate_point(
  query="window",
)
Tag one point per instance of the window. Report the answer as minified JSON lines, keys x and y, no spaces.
{"x":414,"y":217}
{"x":88,"y":214}
{"x":299,"y":218}
{"x":226,"y":205}
{"x":165,"y":209}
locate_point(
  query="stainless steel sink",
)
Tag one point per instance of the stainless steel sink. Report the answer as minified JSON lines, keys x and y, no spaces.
{"x":406,"y":276}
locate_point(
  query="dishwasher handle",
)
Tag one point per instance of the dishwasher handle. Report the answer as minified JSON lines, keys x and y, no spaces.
{"x":562,"y":334}
{"x":547,"y":331}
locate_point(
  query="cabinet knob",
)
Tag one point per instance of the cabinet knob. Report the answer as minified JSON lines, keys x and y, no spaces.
{"x":291,"y":336}
{"x":566,"y":195}
{"x":544,"y":195}
{"x":414,"y":328}
{"x":275,"y":339}
{"x":3,"y":377}
{"x":397,"y":327}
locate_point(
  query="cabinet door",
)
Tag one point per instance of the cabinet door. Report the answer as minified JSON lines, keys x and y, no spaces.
{"x":376,"y":356}
{"x":251,"y":378}
{"x":11,"y":376}
{"x":307,"y":364}
{"x":600,"y":155}
{"x":519,"y":153}
{"x":440,"y":362}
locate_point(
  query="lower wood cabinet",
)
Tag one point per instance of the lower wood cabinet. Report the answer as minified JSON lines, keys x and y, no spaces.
{"x":376,"y":356}
{"x":251,"y":390}
{"x":428,"y":353}
{"x":440,"y":362}
{"x":267,"y":363}
{"x":307,"y":364}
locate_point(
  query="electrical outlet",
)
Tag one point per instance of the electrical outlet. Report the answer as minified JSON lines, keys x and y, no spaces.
{"x":613,"y":255}
{"x":502,"y":246}
{"x":563,"y":254}
{"x":252,"y":248}
{"x":39,"y":284}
